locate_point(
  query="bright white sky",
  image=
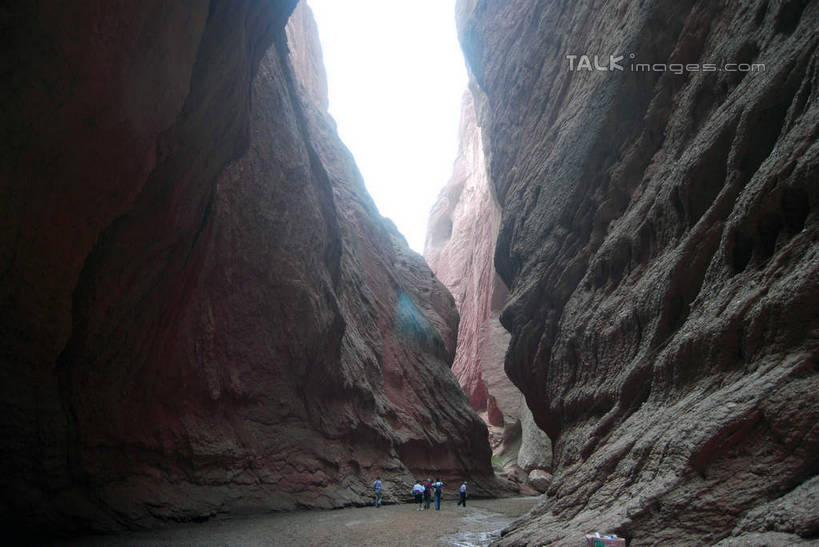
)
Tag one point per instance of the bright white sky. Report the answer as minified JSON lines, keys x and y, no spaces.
{"x":395,"y":74}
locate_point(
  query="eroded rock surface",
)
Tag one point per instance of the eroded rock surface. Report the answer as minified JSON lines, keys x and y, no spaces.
{"x":459,"y":248}
{"x":203,"y":310}
{"x":659,"y":239}
{"x":460,"y":243}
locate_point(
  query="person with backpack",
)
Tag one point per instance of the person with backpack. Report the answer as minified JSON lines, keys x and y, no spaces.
{"x":438,"y":486}
{"x":427,"y":493}
{"x":418,"y":490}
{"x":377,"y":488}
{"x":462,"y":500}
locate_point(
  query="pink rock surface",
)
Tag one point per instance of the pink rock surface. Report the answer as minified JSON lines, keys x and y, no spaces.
{"x":658,"y":237}
{"x":459,"y":248}
{"x":204,"y":313}
{"x":306,"y":55}
{"x":493,"y":413}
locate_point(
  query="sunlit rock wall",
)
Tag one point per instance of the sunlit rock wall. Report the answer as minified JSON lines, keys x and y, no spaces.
{"x":659,"y":239}
{"x":203,"y":312}
{"x":459,"y":248}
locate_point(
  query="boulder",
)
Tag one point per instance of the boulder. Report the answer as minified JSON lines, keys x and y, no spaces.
{"x":539,"y":479}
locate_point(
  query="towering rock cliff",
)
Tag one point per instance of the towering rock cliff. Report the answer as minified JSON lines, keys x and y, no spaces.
{"x":460,"y":243}
{"x":659,"y":239}
{"x":459,"y":247}
{"x":203,"y":311}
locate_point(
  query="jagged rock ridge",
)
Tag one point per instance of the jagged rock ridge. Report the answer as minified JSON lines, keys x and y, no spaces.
{"x":659,"y":240}
{"x":203,"y":311}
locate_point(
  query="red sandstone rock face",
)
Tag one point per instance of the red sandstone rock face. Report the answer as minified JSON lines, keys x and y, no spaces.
{"x":494,"y":415}
{"x":398,"y":343}
{"x":460,"y":245}
{"x":306,"y":56}
{"x":658,"y":237}
{"x":203,"y":311}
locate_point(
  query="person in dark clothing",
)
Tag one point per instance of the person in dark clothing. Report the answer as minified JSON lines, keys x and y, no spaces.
{"x":427,"y":493}
{"x":418,"y":491}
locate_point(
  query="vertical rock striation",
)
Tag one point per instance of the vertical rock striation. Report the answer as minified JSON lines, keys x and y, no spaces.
{"x":460,"y":243}
{"x":459,"y":247}
{"x":203,"y":310}
{"x":659,"y":240}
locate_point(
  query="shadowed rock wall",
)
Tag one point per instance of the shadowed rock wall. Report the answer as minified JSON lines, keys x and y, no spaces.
{"x":659,"y":239}
{"x":203,"y":311}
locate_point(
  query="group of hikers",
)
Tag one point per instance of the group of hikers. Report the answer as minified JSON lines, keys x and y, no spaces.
{"x":424,"y":492}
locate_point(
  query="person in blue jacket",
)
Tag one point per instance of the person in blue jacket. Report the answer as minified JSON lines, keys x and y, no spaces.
{"x":438,"y":487}
{"x":377,"y":488}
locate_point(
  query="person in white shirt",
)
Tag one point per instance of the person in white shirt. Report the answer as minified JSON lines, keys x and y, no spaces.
{"x":418,"y":490}
{"x":462,"y":501}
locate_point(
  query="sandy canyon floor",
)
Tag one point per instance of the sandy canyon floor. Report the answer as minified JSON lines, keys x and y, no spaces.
{"x":389,"y":525}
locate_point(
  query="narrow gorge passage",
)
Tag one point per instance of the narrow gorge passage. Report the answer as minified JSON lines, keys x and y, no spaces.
{"x":208,"y":326}
{"x":460,"y":249}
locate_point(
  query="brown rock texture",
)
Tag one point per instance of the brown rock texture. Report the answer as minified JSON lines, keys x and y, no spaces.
{"x":659,"y":240}
{"x":203,"y":312}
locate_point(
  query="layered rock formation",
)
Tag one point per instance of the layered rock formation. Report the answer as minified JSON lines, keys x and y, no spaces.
{"x":460,"y":244}
{"x":659,"y":239}
{"x":203,"y":310}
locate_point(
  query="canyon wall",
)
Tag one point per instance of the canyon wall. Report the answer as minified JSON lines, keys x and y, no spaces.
{"x":459,"y":247}
{"x":203,"y":311}
{"x":658,"y":236}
